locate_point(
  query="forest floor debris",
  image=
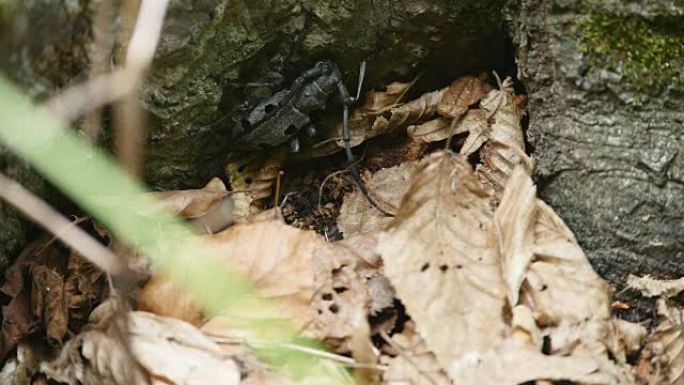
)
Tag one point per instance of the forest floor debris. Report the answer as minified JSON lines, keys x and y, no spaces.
{"x":473,"y":281}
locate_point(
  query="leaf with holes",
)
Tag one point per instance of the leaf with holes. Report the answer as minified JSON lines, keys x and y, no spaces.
{"x":441,"y":257}
{"x":310,"y":280}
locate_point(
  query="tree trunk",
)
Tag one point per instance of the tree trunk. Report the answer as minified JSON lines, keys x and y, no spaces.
{"x":605,"y":125}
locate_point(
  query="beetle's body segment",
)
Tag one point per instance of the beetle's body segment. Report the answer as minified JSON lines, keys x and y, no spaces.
{"x":281,"y":117}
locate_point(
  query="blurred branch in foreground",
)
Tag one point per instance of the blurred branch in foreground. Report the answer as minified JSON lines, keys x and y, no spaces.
{"x":104,"y":89}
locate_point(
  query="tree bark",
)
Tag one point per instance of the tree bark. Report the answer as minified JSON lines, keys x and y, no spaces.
{"x":606,"y":115}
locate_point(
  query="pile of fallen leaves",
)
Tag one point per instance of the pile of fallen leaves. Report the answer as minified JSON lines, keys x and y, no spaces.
{"x":473,"y":281}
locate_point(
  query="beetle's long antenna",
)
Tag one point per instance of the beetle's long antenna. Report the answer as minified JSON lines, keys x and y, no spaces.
{"x":346,"y":138}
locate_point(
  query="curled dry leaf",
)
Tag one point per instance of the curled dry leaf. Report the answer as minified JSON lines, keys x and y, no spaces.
{"x":163,"y":351}
{"x":543,"y":265}
{"x":662,"y":360}
{"x":599,"y":338}
{"x":505,"y":146}
{"x":388,"y":185}
{"x":650,"y":287}
{"x":431,"y":131}
{"x":361,"y":120}
{"x":414,"y":111}
{"x":440,"y":255}
{"x":462,"y":93}
{"x":474,"y":122}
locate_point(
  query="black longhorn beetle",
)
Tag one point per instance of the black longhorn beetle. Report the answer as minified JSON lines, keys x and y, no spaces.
{"x":281,"y":117}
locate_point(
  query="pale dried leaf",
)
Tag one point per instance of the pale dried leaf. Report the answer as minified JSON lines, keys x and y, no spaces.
{"x":513,"y":362}
{"x":413,"y":363}
{"x":310,"y":280}
{"x":191,"y":203}
{"x":598,"y":338}
{"x":162,"y":297}
{"x":462,"y":93}
{"x":651,"y":287}
{"x":388,"y":185}
{"x":431,"y":131}
{"x":475,"y":124}
{"x":252,"y":181}
{"x":514,"y":220}
{"x":176,"y":352}
{"x":414,"y":111}
{"x":541,"y":254}
{"x":162,"y":350}
{"x":362,"y":118}
{"x":440,"y":255}
{"x":665,"y":347}
{"x":505,"y":146}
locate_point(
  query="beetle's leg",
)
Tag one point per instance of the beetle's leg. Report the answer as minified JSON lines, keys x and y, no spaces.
{"x":294,"y":145}
{"x":297,"y":85}
{"x":310,"y":129}
{"x":346,"y":137}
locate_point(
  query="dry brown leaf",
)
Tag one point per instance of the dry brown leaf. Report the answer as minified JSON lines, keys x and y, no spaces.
{"x":361,"y":120}
{"x":98,"y":355}
{"x":192,"y":203}
{"x":514,"y":220}
{"x":176,"y":352}
{"x":543,"y":263}
{"x":440,"y":255}
{"x":162,"y":351}
{"x":388,"y":185}
{"x":651,"y":287}
{"x":505,"y":146}
{"x":312,"y":281}
{"x":431,"y":131}
{"x":514,"y":362}
{"x":251,"y":186}
{"x":663,"y":356}
{"x":475,"y":124}
{"x":462,"y":93}
{"x":414,"y":111}
{"x":160,"y":296}
{"x":52,"y":290}
{"x":413,"y":363}
{"x":598,"y":338}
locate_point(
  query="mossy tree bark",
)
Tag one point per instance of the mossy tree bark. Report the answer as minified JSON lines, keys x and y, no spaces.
{"x":606,"y":125}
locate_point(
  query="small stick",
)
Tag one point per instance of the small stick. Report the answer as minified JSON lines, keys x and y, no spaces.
{"x":277,"y":189}
{"x":73,"y":236}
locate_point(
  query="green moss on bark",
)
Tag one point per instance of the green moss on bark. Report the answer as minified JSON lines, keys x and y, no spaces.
{"x":648,"y":53}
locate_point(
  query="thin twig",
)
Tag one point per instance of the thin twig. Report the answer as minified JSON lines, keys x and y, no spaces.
{"x":104,"y":89}
{"x":73,"y":236}
{"x":100,"y":60}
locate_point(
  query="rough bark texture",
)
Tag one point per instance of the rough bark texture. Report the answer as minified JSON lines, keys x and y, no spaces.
{"x":606,"y":125}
